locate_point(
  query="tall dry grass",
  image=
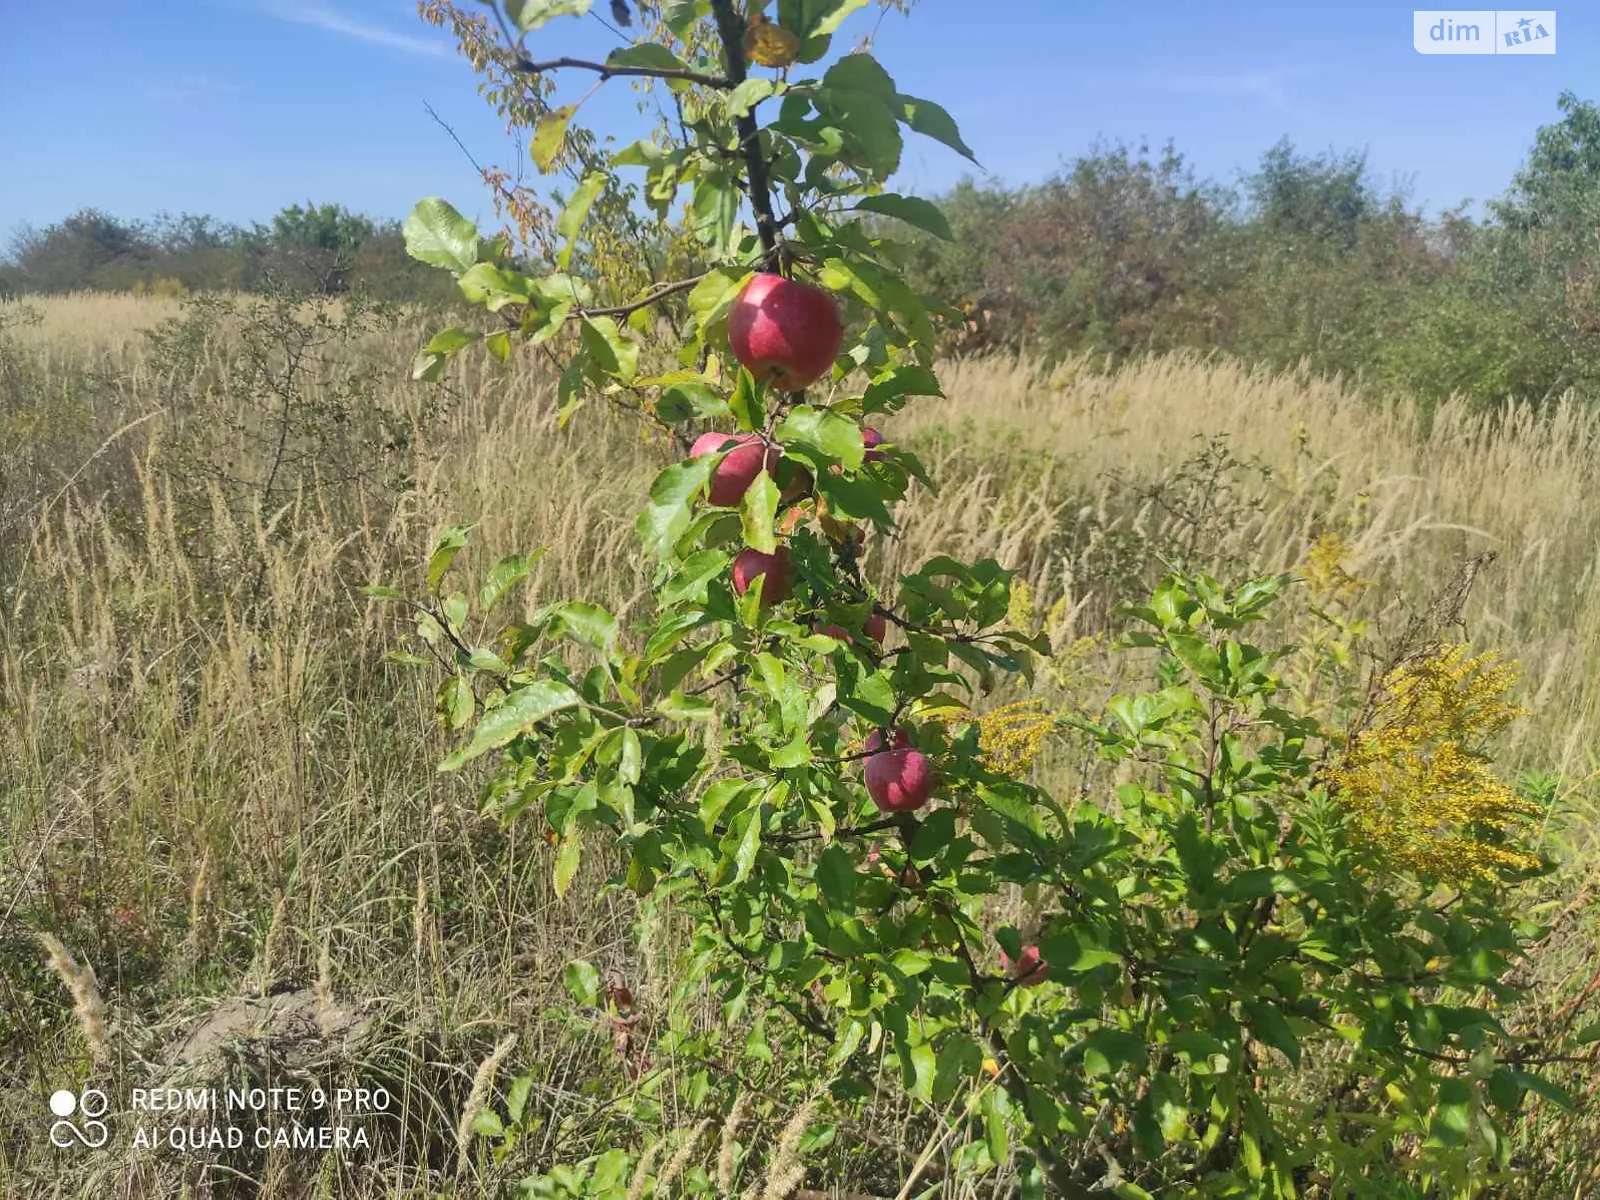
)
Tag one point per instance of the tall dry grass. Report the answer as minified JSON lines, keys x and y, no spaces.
{"x":217,"y":784}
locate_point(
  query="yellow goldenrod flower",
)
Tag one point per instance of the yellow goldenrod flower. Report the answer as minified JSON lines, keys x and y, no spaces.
{"x":1417,"y":778}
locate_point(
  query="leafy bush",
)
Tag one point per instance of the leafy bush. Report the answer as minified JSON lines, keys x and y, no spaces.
{"x":1211,"y":973}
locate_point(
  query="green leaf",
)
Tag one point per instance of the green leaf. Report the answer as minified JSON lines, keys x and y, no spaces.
{"x":928,"y":119}
{"x":530,"y":14}
{"x":1107,"y":1051}
{"x":427,"y":367}
{"x":710,"y":299}
{"x":487,"y":1123}
{"x":680,"y":15}
{"x":494,"y":287}
{"x":456,"y":701}
{"x":1451,"y":1122}
{"x":549,"y":135}
{"x":739,"y":847}
{"x":823,"y":437}
{"x":833,"y":15}
{"x":615,"y":354}
{"x":567,"y":862}
{"x":747,"y":95}
{"x":913,"y":210}
{"x":663,"y":521}
{"x":1199,"y":656}
{"x":836,"y":878}
{"x":1169,"y":1106}
{"x":630,"y":759}
{"x":678,"y":707}
{"x":582,"y":981}
{"x":936,"y":832}
{"x":521,"y":710}
{"x":757,"y":511}
{"x":503,"y":576}
{"x":896,"y":383}
{"x":1541,"y":1086}
{"x":651,"y":55}
{"x":587,"y":624}
{"x":996,"y":1137}
{"x":452,"y":540}
{"x":498,"y":344}
{"x":919,"y":1067}
{"x":715,"y":209}
{"x":449,"y":341}
{"x":570,"y":222}
{"x":437,"y":234}
{"x":860,"y":72}
{"x":815,"y":18}
{"x":961,"y":1058}
{"x":1269,"y":1025}
{"x":517,"y":1096}
{"x":690,"y":398}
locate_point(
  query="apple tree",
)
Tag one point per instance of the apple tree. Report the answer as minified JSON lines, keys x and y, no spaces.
{"x":786,"y":756}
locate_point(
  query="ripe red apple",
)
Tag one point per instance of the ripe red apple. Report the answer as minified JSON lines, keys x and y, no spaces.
{"x":738,"y":470}
{"x":786,"y":333}
{"x":1029,"y":970}
{"x":749,"y":563}
{"x":877,"y":627}
{"x":899,"y":779}
{"x":871,"y":438}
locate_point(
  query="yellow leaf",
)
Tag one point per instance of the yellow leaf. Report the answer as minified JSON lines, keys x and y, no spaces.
{"x":770,"y":45}
{"x":549,"y":135}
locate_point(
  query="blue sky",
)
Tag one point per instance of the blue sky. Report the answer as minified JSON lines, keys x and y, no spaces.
{"x":240,"y":107}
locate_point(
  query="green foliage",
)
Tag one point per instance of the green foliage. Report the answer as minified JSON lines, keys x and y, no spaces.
{"x":322,"y":248}
{"x":1205,"y":917}
{"x":1308,"y":260}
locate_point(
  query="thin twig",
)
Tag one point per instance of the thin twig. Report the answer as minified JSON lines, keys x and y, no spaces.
{"x":610,"y":70}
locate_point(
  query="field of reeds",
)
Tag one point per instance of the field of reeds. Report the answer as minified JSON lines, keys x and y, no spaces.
{"x":226,"y":856}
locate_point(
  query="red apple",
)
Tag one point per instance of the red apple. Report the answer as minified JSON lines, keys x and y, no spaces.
{"x":738,"y":470}
{"x":786,"y":333}
{"x":871,"y":438}
{"x":899,"y":779}
{"x":875,"y":628}
{"x":1029,"y":969}
{"x":749,"y":563}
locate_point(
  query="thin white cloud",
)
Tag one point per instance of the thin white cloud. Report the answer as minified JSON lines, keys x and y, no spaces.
{"x":321,"y":17}
{"x":1270,"y":86}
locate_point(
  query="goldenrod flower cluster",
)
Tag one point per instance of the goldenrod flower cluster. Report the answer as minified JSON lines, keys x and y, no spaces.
{"x":1324,"y":569}
{"x":1010,"y":736}
{"x":1417,"y":778}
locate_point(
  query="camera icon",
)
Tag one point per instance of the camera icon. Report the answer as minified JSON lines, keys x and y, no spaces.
{"x":88,"y":1130}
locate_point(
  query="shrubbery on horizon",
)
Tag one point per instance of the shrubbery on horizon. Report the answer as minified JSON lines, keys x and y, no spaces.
{"x":1307,"y":260}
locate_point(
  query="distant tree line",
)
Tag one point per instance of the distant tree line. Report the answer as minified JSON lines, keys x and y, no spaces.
{"x":324,"y":249}
{"x":1307,"y":260}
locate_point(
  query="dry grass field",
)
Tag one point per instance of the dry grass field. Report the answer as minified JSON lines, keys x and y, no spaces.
{"x":218,"y":793}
